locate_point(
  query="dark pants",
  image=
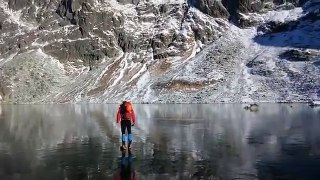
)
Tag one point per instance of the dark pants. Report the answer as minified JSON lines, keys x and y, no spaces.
{"x":126,"y":125}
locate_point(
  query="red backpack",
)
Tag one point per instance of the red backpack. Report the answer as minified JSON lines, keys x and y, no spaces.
{"x":125,"y":110}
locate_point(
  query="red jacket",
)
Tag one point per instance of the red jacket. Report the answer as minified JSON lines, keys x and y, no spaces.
{"x":128,"y":114}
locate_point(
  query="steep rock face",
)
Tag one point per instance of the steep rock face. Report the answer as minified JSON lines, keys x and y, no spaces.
{"x":88,"y":24}
{"x":108,"y":50}
{"x":90,"y":35}
{"x":212,"y":7}
{"x":243,"y":6}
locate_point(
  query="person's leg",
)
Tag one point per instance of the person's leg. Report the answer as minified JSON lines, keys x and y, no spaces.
{"x":129,"y":133}
{"x":123,"y":133}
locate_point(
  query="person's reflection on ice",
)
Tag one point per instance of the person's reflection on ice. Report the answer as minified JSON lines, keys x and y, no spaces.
{"x":126,"y":168}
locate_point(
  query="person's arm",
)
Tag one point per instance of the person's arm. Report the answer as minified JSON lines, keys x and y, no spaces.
{"x":133,"y":116}
{"x":118,"y":116}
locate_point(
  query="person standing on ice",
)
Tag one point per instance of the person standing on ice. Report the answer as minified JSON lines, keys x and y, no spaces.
{"x":127,"y":118}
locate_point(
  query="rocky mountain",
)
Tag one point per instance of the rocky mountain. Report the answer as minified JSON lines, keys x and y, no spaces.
{"x":57,"y":51}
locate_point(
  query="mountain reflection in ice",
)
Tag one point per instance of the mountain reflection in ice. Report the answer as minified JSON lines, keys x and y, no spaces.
{"x":170,"y":141}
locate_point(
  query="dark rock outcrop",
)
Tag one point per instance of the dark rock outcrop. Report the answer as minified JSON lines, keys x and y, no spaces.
{"x":276,"y":27}
{"x":247,"y":21}
{"x":211,"y":7}
{"x":294,"y":2}
{"x":135,"y":2}
{"x":298,"y":55}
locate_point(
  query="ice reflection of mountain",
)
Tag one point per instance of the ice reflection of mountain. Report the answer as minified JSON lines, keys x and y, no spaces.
{"x":53,"y":124}
{"x":39,"y":126}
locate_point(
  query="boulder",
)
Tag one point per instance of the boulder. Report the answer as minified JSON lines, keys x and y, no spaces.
{"x":252,"y":107}
{"x":297,"y":55}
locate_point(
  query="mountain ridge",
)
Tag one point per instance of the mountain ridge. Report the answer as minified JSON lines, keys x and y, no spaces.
{"x":105,"y":52}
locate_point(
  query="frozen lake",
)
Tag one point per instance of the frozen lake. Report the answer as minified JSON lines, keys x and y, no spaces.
{"x":220,"y":141}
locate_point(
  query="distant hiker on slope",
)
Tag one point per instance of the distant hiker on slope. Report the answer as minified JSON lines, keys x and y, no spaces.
{"x":127,"y":117}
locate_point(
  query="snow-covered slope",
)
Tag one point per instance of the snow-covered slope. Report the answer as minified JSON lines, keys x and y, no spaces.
{"x":173,"y":51}
{"x":241,"y":67}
